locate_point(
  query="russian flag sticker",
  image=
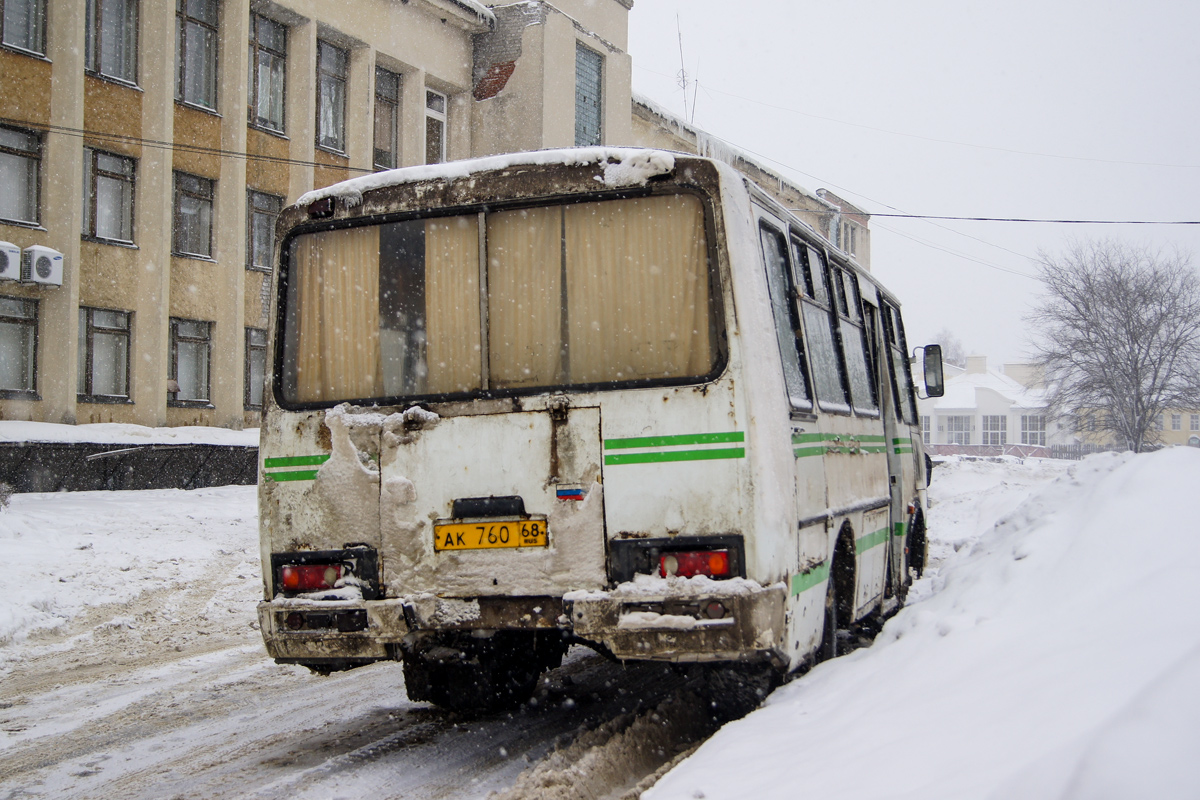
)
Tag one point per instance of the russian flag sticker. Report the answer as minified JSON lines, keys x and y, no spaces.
{"x":570,"y":491}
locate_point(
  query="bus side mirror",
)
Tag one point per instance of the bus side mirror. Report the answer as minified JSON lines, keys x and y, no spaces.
{"x":931,"y":357}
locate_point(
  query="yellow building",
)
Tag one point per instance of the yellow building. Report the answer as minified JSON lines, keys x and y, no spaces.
{"x":152,"y":143}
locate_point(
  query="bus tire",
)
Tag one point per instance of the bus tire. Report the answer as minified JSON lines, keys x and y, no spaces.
{"x":917,"y":544}
{"x":460,"y":673}
{"x":828,"y":648}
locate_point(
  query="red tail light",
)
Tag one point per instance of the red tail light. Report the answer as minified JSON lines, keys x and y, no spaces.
{"x":713,"y":563}
{"x":309,"y":577}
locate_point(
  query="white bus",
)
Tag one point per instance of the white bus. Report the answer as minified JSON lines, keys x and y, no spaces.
{"x":604,"y":396}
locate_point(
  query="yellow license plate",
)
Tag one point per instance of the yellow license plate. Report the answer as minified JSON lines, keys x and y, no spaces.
{"x":489,"y":534}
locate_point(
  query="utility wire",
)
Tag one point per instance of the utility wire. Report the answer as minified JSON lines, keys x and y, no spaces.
{"x":173,"y":146}
{"x":1050,"y":221}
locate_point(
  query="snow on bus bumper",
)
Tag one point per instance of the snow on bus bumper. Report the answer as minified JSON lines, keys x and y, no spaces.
{"x":304,"y":630}
{"x":682,"y":619}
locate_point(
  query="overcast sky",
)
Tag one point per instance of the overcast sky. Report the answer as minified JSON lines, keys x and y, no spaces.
{"x":1032,"y":108}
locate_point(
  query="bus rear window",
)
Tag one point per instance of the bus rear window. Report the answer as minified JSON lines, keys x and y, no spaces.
{"x":607,"y":292}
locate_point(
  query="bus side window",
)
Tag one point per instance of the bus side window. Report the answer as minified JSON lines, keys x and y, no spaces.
{"x":897,"y":351}
{"x":862,"y":383}
{"x":819,"y":323}
{"x":787,"y":326}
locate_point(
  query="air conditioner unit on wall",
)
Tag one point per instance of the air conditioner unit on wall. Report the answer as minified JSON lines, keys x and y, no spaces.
{"x":42,"y":265}
{"x":10,"y":262}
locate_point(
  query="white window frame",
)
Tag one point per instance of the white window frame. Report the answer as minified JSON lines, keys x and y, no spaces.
{"x":993,"y":429}
{"x":437,"y":107}
{"x":1177,"y":422}
{"x":1195,"y":422}
{"x":1033,"y":429}
{"x":262,"y":210}
{"x":958,"y":429}
{"x":927,"y":429}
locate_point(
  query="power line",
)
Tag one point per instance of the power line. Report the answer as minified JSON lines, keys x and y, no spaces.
{"x":158,"y":144}
{"x":1050,"y":221}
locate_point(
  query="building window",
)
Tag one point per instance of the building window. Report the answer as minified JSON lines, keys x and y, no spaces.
{"x":589,"y":75}
{"x":387,"y":119}
{"x":268,"y":65}
{"x":24,"y":25}
{"x":103,"y":354}
{"x":1194,"y":441}
{"x":435,"y":127}
{"x":193,"y":215}
{"x":18,"y":346}
{"x":1195,"y":422}
{"x":1158,"y":422}
{"x":108,"y":196}
{"x":20,"y":164}
{"x":926,"y":430}
{"x":848,"y":238}
{"x":1033,"y":429}
{"x":995,"y":430}
{"x":958,"y":430}
{"x":196,"y":52}
{"x":331,"y":97}
{"x":262,"y":210}
{"x":256,"y":367}
{"x":190,"y":350}
{"x":1177,"y":422}
{"x":111,"y":39}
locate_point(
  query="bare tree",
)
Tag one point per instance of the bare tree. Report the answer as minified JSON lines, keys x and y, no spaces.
{"x":953,"y":351}
{"x":1119,"y":336}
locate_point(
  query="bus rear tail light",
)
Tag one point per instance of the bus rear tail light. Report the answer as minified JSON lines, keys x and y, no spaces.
{"x":710,"y":563}
{"x":309,"y":577}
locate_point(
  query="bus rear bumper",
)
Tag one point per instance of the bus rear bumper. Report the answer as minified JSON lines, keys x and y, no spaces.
{"x":689,"y":620}
{"x":305,"y":632}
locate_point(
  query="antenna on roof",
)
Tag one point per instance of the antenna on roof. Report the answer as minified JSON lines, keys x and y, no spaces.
{"x":682,"y":77}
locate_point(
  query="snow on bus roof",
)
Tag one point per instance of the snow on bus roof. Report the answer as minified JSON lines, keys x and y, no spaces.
{"x":623,"y":166}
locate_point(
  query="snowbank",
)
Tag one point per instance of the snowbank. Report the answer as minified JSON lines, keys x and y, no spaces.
{"x":1053,"y":654}
{"x":120,"y":433}
{"x":65,"y":554}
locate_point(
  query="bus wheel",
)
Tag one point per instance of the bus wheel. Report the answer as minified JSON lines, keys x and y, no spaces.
{"x":461,"y":673}
{"x":917,"y":544}
{"x":829,"y":648}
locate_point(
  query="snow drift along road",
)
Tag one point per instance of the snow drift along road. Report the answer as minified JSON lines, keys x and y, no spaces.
{"x":1056,"y":654}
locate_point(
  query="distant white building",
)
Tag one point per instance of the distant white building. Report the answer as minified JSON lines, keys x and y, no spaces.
{"x":989,"y":411}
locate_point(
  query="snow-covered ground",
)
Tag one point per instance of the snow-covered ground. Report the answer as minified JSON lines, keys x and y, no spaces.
{"x":1051,"y":651}
{"x":1054,"y":652}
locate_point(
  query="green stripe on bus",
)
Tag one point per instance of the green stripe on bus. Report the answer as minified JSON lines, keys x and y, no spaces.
{"x":295,"y":461}
{"x":801,"y":438}
{"x":671,"y":441}
{"x":871,"y":540}
{"x":294,"y":475}
{"x":899,"y":529}
{"x":805,"y":452}
{"x":804,"y":581}
{"x":674,"y":455}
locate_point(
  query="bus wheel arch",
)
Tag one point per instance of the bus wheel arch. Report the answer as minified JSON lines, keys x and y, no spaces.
{"x":917,"y":544}
{"x":839,"y":592}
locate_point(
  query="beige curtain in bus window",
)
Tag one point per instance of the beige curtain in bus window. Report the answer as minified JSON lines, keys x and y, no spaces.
{"x":637,"y":289}
{"x":338,"y":336}
{"x":524,"y":297}
{"x":453,"y":343}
